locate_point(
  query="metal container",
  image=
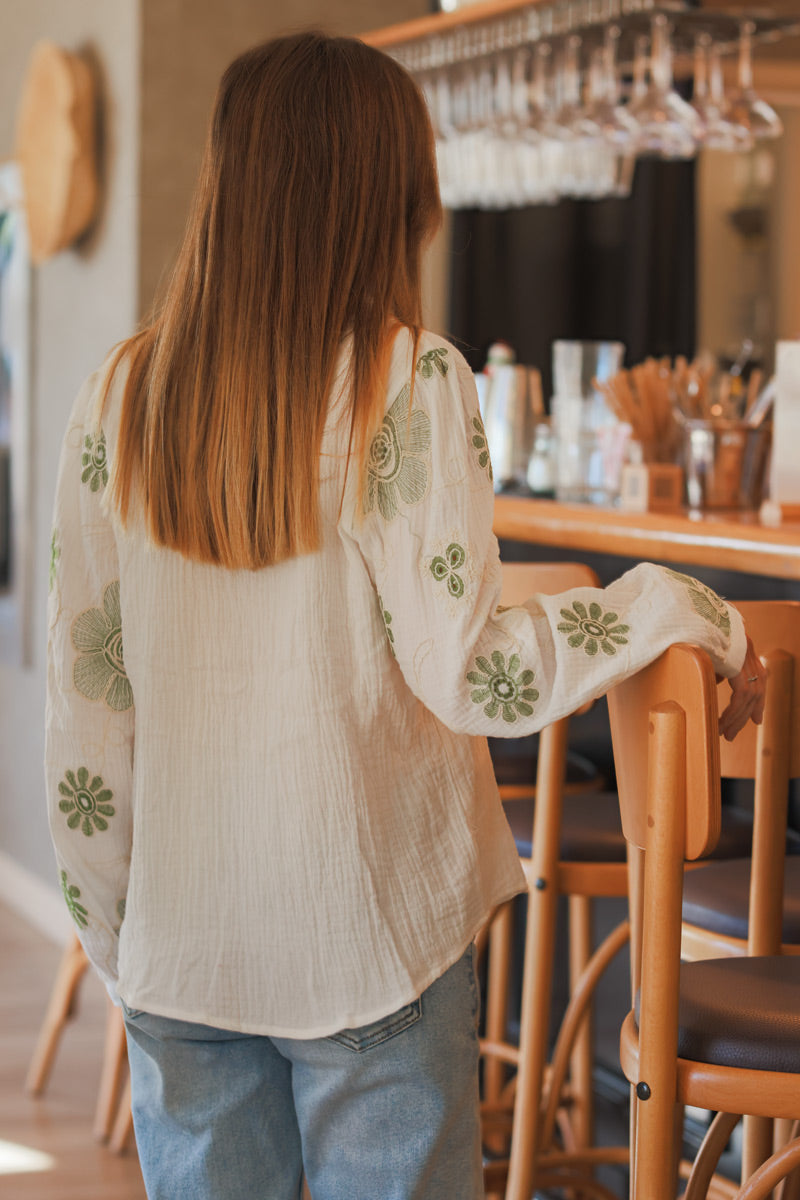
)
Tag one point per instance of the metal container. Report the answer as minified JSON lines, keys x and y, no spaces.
{"x":725,"y":463}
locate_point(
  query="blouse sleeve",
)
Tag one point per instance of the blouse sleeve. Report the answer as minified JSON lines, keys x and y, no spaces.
{"x":423,"y":521}
{"x":90,"y":713}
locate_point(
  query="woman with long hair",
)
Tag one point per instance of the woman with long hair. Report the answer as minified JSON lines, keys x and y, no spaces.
{"x":276,"y":649}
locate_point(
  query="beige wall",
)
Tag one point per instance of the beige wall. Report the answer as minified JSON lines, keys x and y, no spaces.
{"x":728,"y":265}
{"x":186,"y":46}
{"x":83,"y":301}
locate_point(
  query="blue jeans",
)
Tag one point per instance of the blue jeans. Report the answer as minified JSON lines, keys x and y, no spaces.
{"x":385,"y":1112}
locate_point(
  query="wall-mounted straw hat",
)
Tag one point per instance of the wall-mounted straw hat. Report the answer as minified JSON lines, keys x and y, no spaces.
{"x":55,"y":148}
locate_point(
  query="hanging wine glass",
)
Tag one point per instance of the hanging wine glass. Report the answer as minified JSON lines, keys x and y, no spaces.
{"x":668,"y":125}
{"x":570,"y":128}
{"x":604,"y":110}
{"x":747,"y":109}
{"x":710,"y":103}
{"x":641,"y":64}
{"x":613,"y":131}
{"x":542,"y":163}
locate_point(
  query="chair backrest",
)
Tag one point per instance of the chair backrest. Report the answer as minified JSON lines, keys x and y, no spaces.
{"x":768,"y":753}
{"x":681,"y":679}
{"x":522,"y":579}
{"x":774,"y":626}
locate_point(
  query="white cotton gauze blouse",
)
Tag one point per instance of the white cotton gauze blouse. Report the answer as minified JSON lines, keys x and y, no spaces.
{"x":270,"y":792}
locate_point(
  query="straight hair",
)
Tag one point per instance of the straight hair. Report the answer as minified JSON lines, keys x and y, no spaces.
{"x":316,"y":195}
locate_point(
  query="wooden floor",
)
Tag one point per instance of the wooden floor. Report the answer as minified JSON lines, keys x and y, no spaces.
{"x":59,"y":1123}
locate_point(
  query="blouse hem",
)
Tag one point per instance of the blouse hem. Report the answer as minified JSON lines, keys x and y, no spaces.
{"x":328,"y":1028}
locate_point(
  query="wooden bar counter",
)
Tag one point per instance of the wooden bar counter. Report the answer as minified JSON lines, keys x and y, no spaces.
{"x":727,"y":540}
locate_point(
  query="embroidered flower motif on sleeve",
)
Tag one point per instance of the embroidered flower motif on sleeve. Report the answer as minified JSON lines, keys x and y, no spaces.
{"x":72,"y":895}
{"x":55,"y":555}
{"x":705,"y":602}
{"x":446,"y":567}
{"x":397,"y":468}
{"x":387,"y":623}
{"x":94,"y":461}
{"x":433,"y":360}
{"x":85,"y":803}
{"x":592,"y":628}
{"x":481,"y":445}
{"x":505,"y":688}
{"x":99,"y":671}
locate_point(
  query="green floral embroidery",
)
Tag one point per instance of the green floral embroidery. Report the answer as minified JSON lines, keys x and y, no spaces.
{"x":396,"y":470}
{"x":87,"y":804}
{"x":72,"y":895}
{"x":387,"y":621}
{"x":705,"y":603}
{"x":99,"y":671}
{"x":592,"y":628}
{"x":504,"y":687}
{"x":447,"y":568}
{"x":481,"y":445}
{"x":94,"y":462}
{"x":55,"y":555}
{"x":433,"y":360}
{"x":120,"y":914}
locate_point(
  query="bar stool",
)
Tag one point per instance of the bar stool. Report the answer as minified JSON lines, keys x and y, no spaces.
{"x":718,"y":896}
{"x":548,"y":832}
{"x":112,"y":1119}
{"x":572,"y":845}
{"x":724,"y":1034}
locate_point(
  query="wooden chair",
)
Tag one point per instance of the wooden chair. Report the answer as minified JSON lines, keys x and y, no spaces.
{"x":112,"y":1119}
{"x":722,"y":1035}
{"x":718,"y":896}
{"x":572,"y":846}
{"x":559,"y":838}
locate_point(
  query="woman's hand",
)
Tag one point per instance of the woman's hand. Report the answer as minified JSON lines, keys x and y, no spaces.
{"x":747,"y":699}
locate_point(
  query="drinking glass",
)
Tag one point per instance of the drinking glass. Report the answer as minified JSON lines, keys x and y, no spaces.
{"x":747,"y":109}
{"x":710,"y":103}
{"x":668,"y":125}
{"x":581,"y":417}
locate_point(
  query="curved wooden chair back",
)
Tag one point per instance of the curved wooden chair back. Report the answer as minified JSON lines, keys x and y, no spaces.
{"x":532,"y":1123}
{"x":680,"y":679}
{"x":522,"y":579}
{"x":774,"y":626}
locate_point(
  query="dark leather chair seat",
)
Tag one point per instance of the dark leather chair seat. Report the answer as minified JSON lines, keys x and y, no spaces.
{"x":741,"y":1012}
{"x":716,"y":896}
{"x":591,"y":830}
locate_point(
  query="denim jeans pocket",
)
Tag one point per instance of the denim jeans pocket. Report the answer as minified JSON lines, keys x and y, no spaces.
{"x":377,"y":1032}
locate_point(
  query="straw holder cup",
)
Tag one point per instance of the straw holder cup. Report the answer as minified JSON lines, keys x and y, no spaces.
{"x":725,"y":463}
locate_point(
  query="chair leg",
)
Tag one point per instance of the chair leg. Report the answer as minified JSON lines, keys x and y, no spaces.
{"x":582,"y":1058}
{"x":59,"y":1009}
{"x":770,"y":1173}
{"x":757,"y":1144}
{"x":705,"y":1164}
{"x":123,"y":1123}
{"x":497,"y":987}
{"x":114,"y":1058}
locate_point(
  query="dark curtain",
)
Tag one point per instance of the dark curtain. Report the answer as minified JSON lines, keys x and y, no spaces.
{"x":618,"y":269}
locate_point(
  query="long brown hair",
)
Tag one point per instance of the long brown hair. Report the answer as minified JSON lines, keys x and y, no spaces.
{"x":316,"y":195}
